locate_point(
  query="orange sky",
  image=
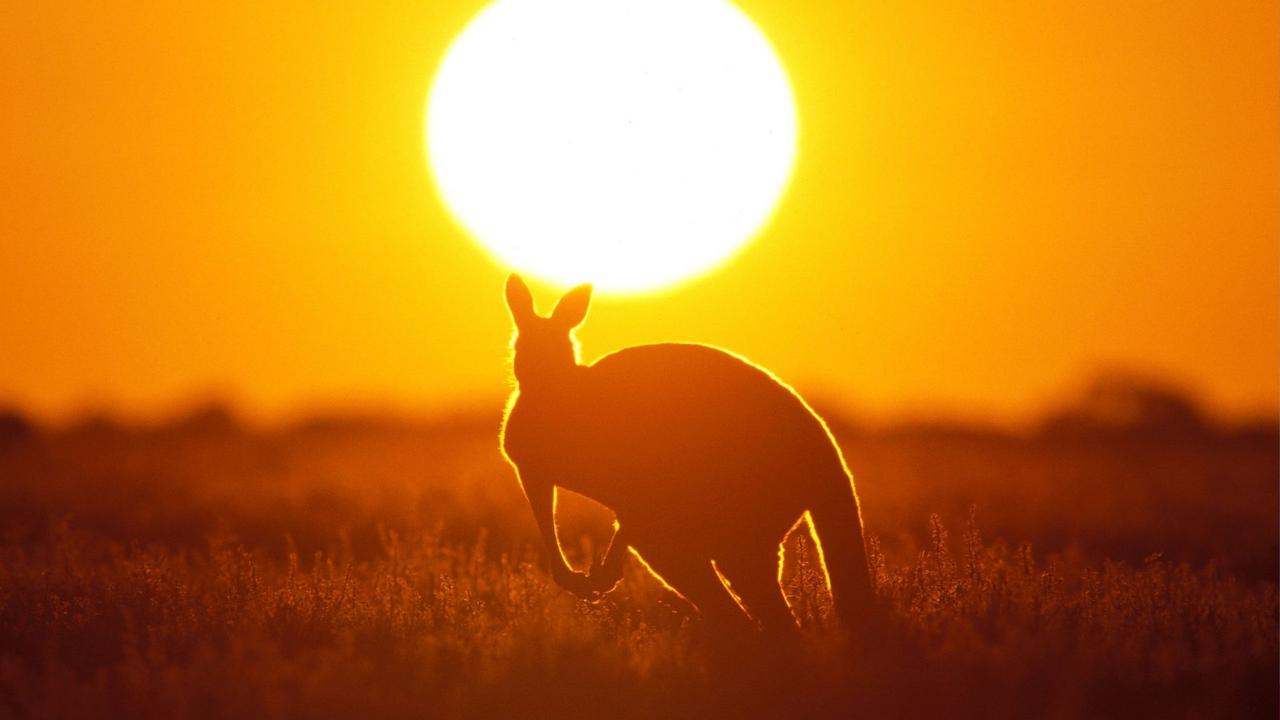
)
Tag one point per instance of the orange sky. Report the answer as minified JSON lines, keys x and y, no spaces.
{"x":990,"y":199}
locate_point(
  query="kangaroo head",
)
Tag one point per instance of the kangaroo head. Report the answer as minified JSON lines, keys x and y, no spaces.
{"x":545,"y":349}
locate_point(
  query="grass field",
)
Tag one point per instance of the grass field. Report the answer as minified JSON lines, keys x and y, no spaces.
{"x":384,"y":569}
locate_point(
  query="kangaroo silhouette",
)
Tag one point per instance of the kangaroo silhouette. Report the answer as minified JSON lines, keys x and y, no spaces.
{"x":707,"y":461}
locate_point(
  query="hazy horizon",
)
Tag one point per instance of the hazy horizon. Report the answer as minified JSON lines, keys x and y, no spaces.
{"x":838,"y":408}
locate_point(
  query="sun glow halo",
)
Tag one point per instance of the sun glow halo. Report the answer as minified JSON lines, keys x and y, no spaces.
{"x":628,"y":143}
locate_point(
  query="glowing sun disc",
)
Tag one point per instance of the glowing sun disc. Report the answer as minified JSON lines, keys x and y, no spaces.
{"x":628,"y":143}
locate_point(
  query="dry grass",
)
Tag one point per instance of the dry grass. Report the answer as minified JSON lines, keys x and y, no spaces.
{"x":427,"y":629}
{"x":386,"y":571}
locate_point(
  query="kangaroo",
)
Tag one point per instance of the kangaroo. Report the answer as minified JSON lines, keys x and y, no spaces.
{"x":707,"y":461}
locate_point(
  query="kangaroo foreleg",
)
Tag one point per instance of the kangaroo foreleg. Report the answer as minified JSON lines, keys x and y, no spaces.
{"x":542,"y":499}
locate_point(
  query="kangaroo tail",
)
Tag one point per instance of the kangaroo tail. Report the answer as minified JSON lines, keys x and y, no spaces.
{"x":837,"y":524}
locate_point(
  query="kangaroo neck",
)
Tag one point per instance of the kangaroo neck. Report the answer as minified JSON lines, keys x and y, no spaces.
{"x":555,"y":387}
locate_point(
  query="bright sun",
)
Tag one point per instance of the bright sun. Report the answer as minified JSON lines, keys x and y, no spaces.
{"x":628,"y":143}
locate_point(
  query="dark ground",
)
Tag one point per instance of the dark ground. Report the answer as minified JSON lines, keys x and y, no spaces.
{"x":1118,"y":560}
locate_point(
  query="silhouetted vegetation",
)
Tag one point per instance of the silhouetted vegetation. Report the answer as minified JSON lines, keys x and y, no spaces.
{"x":375,"y":567}
{"x":1121,"y":402}
{"x":423,"y":628}
{"x":14,"y":428}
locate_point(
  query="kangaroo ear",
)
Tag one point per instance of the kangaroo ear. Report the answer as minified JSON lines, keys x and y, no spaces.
{"x":572,"y":308}
{"x":519,"y":299}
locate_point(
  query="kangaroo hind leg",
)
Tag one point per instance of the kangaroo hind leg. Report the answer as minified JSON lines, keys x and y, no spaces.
{"x":693,"y":577}
{"x":754,"y":578}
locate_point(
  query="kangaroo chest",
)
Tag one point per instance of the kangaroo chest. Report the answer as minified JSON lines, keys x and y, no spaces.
{"x":564,"y":435}
{"x":583,"y":449}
